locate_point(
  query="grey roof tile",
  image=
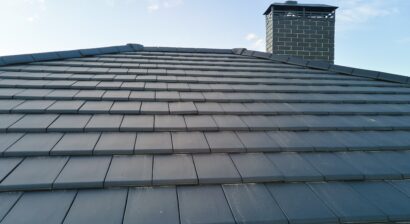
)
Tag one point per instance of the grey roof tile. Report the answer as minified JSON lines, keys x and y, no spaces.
{"x":115,"y":143}
{"x":200,"y":122}
{"x":87,"y":172}
{"x":69,"y":123}
{"x":391,"y":201}
{"x":300,"y":204}
{"x":71,"y":106}
{"x":116,"y":95}
{"x":294,"y":167}
{"x":133,"y":170}
{"x":332,"y":167}
{"x":60,"y":94}
{"x":8,"y":105}
{"x":193,"y":201}
{"x":257,"y":141}
{"x":142,"y":95}
{"x":215,"y":168}
{"x":97,"y":206}
{"x":396,"y":160}
{"x":7,"y":201}
{"x":229,"y":122}
{"x":8,"y":119}
{"x":255,"y":167}
{"x":290,"y":141}
{"x":152,"y":205}
{"x":94,"y":107}
{"x":133,"y":85}
{"x":7,"y":139}
{"x":130,"y":107}
{"x":209,"y":108}
{"x":369,"y":166}
{"x":137,"y":123}
{"x":158,"y":142}
{"x":253,"y":204}
{"x":166,"y":95}
{"x":347,"y":204}
{"x":224,"y":142}
{"x":189,"y":142}
{"x":7,"y":165}
{"x":33,"y":106}
{"x":402,"y":185}
{"x":182,"y":108}
{"x":104,"y":123}
{"x":76,"y":144}
{"x":52,"y":206}
{"x":174,"y":169}
{"x":154,"y":108}
{"x":34,"y":172}
{"x":89,"y":95}
{"x":34,"y":144}
{"x":33,"y":123}
{"x":169,"y":123}
{"x":258,"y":123}
{"x":322,"y":141}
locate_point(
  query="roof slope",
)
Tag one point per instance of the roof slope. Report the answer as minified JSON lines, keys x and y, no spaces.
{"x":172,"y":135}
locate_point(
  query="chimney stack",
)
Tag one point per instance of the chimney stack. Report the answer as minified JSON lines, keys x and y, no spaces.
{"x":302,"y":30}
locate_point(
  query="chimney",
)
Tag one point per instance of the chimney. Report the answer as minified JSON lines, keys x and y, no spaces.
{"x":302,"y":30}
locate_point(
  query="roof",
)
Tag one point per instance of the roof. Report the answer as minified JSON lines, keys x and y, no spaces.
{"x":291,"y":5}
{"x":181,"y":135}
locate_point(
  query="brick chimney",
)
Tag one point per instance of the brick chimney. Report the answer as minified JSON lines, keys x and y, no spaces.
{"x":303,"y":30}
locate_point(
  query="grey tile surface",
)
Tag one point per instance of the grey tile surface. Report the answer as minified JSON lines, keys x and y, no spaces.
{"x":7,"y":165}
{"x":253,"y":204}
{"x":52,"y":206}
{"x":71,"y":106}
{"x":215,"y":168}
{"x":104,"y":123}
{"x":189,"y":142}
{"x":7,"y":139}
{"x":33,"y":123}
{"x":87,"y":172}
{"x":257,"y":142}
{"x":182,"y":108}
{"x":158,"y":142}
{"x":7,"y":201}
{"x":154,"y":108}
{"x":69,"y":123}
{"x":229,"y":122}
{"x":300,"y":204}
{"x":115,"y":143}
{"x":137,"y":123}
{"x":6,"y":120}
{"x":224,"y":142}
{"x":97,"y":206}
{"x":390,"y":200}
{"x":169,"y":123}
{"x":347,"y":204}
{"x":76,"y":144}
{"x":200,"y":123}
{"x":133,"y":170}
{"x":174,"y":169}
{"x":34,"y":144}
{"x":332,"y":167}
{"x":255,"y":167}
{"x":194,"y":200}
{"x":93,"y":107}
{"x":152,"y":205}
{"x":294,"y":167}
{"x":125,"y":108}
{"x":34,"y":172}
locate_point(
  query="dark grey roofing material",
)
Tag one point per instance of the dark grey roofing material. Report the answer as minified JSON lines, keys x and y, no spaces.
{"x":181,"y":135}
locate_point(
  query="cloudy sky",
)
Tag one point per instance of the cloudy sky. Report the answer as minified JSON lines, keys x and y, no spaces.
{"x":372,"y":34}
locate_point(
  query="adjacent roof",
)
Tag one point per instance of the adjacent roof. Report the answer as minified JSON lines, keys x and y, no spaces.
{"x":295,"y":6}
{"x":178,"y":135}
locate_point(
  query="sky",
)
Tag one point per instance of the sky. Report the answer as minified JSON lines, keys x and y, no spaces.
{"x":370,"y":34}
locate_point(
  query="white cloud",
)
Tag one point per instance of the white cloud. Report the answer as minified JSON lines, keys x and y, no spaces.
{"x":352,"y":12}
{"x":155,"y":5}
{"x":255,"y":42}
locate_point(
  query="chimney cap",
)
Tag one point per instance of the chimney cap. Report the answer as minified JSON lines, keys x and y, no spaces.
{"x":295,"y":6}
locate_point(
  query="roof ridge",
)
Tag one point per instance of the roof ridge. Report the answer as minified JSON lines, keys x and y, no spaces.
{"x":58,"y":55}
{"x":323,"y":65}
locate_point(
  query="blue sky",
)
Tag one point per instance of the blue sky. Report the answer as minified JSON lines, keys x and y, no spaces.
{"x":372,"y":34}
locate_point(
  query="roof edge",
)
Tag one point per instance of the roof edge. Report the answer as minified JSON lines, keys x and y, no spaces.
{"x":60,"y":55}
{"x":188,"y":50}
{"x":323,"y":65}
